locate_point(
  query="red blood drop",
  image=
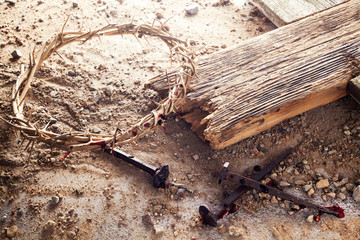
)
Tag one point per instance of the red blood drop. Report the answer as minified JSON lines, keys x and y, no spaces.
{"x":339,"y":210}
{"x":134,"y":133}
{"x":147,"y":125}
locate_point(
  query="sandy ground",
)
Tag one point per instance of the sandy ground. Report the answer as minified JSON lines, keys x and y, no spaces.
{"x":102,"y":198}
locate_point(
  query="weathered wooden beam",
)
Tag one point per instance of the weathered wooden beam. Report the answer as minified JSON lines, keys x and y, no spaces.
{"x":250,"y":87}
{"x":283,"y":12}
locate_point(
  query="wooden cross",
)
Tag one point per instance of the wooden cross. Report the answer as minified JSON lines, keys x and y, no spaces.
{"x":250,"y":87}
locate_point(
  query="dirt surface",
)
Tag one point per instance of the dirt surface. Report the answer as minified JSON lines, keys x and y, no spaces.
{"x":95,"y":86}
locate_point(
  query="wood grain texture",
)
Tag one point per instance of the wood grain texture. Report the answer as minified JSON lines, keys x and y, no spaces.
{"x":252,"y":86}
{"x":283,"y":12}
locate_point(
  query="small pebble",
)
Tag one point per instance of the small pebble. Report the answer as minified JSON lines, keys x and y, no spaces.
{"x":331,"y":194}
{"x":196,"y":157}
{"x":109,"y":90}
{"x":307,"y":187}
{"x":300,"y":182}
{"x":274,"y":200}
{"x":347,"y":132}
{"x":11,"y":231}
{"x":356,"y":194}
{"x":71,"y":234}
{"x":310,"y":219}
{"x":49,"y":226}
{"x":322,"y":183}
{"x":222,"y":229}
{"x":158,"y":229}
{"x":75,"y":4}
{"x":16,"y":54}
{"x":192,"y":9}
{"x":310,"y":192}
{"x":349,"y":186}
{"x":54,"y":200}
{"x":236,"y":231}
{"x":342,"y":196}
{"x":284,"y":184}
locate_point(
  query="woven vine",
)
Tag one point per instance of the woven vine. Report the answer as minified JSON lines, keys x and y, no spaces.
{"x":76,"y":140}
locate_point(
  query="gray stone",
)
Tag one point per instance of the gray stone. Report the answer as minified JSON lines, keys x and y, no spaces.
{"x":75,"y":4}
{"x":356,"y":194}
{"x":284,"y":184}
{"x":192,"y":9}
{"x":54,"y":200}
{"x":109,"y":90}
{"x":16,"y":54}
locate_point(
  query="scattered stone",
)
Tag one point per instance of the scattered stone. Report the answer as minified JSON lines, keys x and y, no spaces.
{"x":332,"y":151}
{"x":53,"y":93}
{"x":342,"y":196}
{"x":311,"y":192}
{"x":109,"y":90}
{"x":324,"y":197}
{"x":274,"y":200}
{"x":331,"y":194}
{"x":180,"y":192}
{"x":192,"y":9}
{"x":72,"y":73}
{"x":347,"y":132}
{"x":11,"y":231}
{"x":295,"y":207}
{"x":96,"y":129}
{"x":349,"y":186}
{"x":224,"y":46}
{"x":300,"y":182}
{"x":322,"y":183}
{"x":75,"y":4}
{"x":273,"y":175}
{"x":147,"y":221}
{"x":49,"y":226}
{"x":11,"y":2}
{"x":159,"y":15}
{"x":196,"y":157}
{"x":310,"y":219}
{"x":236,"y":231}
{"x":222,"y":229}
{"x":54,"y":200}
{"x":16,"y":54}
{"x":3,"y":44}
{"x":71,"y":234}
{"x":158,"y":229}
{"x":356,"y":194}
{"x":341,"y":183}
{"x":284,"y":184}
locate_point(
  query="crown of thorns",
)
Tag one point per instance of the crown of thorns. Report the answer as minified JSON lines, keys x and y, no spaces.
{"x":76,"y":140}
